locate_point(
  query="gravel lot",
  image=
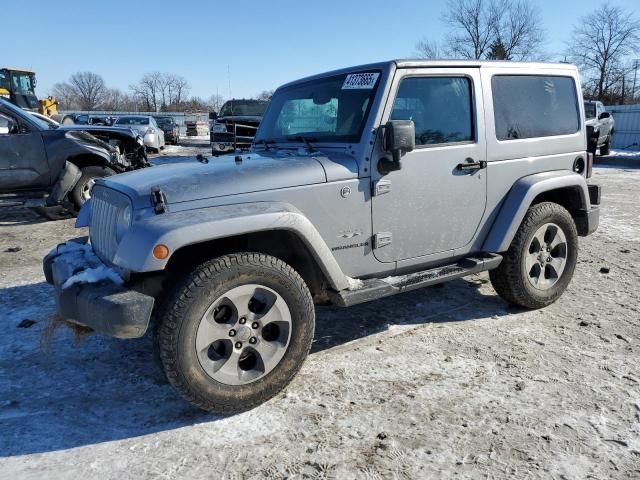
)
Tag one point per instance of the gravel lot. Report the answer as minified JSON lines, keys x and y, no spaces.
{"x":443,"y":382}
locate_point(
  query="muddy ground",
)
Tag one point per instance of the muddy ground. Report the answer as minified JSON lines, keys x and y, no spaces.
{"x":437,"y":383}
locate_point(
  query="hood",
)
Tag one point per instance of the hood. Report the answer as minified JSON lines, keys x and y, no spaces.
{"x":224,"y":176}
{"x":87,"y":140}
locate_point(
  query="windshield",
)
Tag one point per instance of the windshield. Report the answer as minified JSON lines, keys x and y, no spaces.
{"x":331,"y":109}
{"x":589,"y":110}
{"x":133,"y":121}
{"x":164,"y":121}
{"x":253,"y":108}
{"x":22,"y":83}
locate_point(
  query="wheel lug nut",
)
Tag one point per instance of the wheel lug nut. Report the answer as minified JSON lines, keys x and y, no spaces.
{"x":252,"y":340}
{"x":238,"y":344}
{"x":243,"y":321}
{"x":255,"y":325}
{"x":232,"y":333}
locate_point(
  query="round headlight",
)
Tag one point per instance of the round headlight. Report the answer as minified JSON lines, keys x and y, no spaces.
{"x":123,"y":222}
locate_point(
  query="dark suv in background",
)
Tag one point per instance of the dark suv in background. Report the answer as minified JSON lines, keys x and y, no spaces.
{"x":170,"y":128}
{"x":236,"y":124}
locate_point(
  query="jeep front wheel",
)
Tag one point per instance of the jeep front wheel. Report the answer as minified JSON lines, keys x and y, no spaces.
{"x":539,"y":264}
{"x":235,"y":331}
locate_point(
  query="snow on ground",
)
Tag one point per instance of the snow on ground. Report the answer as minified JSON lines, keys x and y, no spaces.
{"x":437,"y":383}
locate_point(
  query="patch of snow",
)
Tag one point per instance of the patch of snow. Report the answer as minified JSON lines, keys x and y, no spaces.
{"x":625,"y":153}
{"x":355,"y":283}
{"x":391,"y":280}
{"x":94,"y":275}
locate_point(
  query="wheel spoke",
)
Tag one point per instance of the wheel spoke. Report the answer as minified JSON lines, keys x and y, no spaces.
{"x":270,"y":353}
{"x":530,"y":260}
{"x":209,"y":331}
{"x":557,"y":239}
{"x":229,"y":368}
{"x":557,"y":265}
{"x":539,"y":236}
{"x":278,"y":312}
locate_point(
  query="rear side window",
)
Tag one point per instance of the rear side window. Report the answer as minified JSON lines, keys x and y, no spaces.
{"x":440,"y":107}
{"x":530,"y":106}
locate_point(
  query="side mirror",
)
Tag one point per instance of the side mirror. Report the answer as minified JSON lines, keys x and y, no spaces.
{"x":213,"y":116}
{"x":8,"y":126}
{"x":399,"y":138}
{"x":604,"y":115}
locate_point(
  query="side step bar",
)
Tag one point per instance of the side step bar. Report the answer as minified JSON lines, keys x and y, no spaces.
{"x":375,"y":288}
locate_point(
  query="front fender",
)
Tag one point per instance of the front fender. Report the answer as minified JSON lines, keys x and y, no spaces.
{"x":180,"y":229}
{"x":519,"y":199}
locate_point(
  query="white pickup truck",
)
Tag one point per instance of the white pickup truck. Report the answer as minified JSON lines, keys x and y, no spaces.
{"x":599,"y":125}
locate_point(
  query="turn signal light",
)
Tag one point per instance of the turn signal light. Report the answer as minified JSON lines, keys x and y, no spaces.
{"x":160,"y":251}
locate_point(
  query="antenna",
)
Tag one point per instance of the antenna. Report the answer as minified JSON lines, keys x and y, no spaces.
{"x":235,"y":142}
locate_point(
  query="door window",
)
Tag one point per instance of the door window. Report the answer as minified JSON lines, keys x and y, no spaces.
{"x":531,"y":106}
{"x":6,"y":123}
{"x":440,"y":108}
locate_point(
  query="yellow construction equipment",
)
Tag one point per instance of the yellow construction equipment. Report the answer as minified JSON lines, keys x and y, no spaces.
{"x":18,"y":86}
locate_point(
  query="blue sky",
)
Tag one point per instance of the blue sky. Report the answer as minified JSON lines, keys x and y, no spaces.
{"x":263,"y":43}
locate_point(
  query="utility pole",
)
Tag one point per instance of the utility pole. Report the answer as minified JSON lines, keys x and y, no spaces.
{"x":635,"y":74}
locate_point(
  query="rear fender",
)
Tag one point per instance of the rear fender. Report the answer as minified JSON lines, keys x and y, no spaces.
{"x":180,"y":229}
{"x":520,"y":198}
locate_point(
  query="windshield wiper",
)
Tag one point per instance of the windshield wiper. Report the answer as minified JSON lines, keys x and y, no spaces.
{"x":264,"y":142}
{"x":306,"y":140}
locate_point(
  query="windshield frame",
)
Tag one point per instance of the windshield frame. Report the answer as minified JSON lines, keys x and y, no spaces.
{"x":318,"y":137}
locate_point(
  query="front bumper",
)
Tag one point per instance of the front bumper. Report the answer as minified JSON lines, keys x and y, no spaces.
{"x":105,"y":307}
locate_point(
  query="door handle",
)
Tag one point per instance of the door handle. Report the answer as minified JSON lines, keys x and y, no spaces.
{"x":471,"y":165}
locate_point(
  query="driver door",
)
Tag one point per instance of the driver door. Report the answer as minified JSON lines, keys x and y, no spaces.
{"x":23,"y":160}
{"x":431,"y":206}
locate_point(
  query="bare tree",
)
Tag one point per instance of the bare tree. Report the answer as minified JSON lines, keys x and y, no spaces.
{"x":601,"y":44}
{"x":497,"y":29}
{"x":67,"y":98}
{"x":90,"y":88}
{"x":265,"y":95}
{"x":472,"y":28}
{"x":215,"y":102}
{"x":84,"y":90}
{"x":517,"y":30}
{"x":161,"y":91}
{"x":428,"y":49}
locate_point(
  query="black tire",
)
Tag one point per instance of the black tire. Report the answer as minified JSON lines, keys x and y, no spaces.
{"x":606,"y":148}
{"x":511,"y":278}
{"x":78,"y":193}
{"x":186,"y":304}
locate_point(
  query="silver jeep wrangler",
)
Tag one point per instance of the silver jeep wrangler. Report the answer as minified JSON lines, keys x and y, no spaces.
{"x":361,"y":183}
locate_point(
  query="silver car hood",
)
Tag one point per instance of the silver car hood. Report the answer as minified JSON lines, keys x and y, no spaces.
{"x":223,"y":176}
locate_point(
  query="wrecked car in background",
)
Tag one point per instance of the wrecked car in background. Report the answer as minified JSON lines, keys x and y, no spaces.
{"x":236,"y":124}
{"x":145,"y":126}
{"x":56,"y":164}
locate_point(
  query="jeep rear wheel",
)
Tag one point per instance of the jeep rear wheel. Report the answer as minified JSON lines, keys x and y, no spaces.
{"x":235,"y":331}
{"x":539,"y":264}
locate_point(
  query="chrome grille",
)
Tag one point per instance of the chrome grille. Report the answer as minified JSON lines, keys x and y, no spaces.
{"x":105,"y":206}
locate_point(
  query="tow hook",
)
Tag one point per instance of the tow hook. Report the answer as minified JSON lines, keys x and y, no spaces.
{"x":159,"y":200}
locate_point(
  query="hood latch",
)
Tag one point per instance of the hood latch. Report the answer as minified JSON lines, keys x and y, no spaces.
{"x":159,"y":200}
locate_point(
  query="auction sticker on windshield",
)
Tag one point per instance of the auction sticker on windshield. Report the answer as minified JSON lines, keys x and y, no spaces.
{"x":360,"y":80}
